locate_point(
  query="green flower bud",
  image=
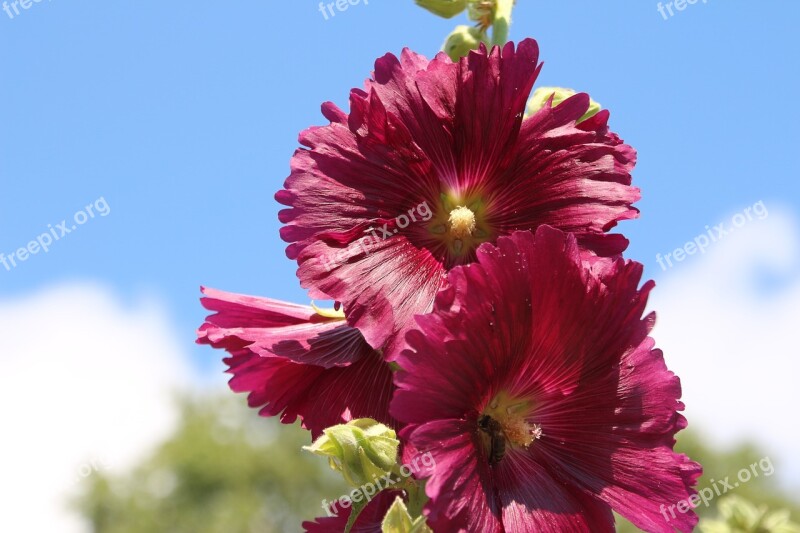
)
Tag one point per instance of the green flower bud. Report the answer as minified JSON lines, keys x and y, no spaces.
{"x":462,"y":40}
{"x":362,"y":450}
{"x":398,"y":520}
{"x":559,"y":94}
{"x":444,"y":8}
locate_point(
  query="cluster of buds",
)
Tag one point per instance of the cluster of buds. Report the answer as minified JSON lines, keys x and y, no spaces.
{"x":485,"y":14}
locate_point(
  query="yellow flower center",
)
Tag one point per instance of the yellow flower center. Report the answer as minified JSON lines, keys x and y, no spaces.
{"x":461,"y":222}
{"x":513,"y":416}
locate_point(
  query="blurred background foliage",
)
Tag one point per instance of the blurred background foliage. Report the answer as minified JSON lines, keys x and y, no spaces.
{"x":226,"y":470}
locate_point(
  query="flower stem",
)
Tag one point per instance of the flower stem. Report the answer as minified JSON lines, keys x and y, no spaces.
{"x":416,"y":497}
{"x":502,"y":21}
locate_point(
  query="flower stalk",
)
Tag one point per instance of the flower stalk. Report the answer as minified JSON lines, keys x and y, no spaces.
{"x":502,"y":21}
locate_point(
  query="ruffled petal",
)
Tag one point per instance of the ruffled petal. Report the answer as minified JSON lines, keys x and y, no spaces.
{"x":271,"y":327}
{"x":532,"y":500}
{"x":581,"y":177}
{"x":297,"y":364}
{"x":460,"y":487}
{"x":359,"y":276}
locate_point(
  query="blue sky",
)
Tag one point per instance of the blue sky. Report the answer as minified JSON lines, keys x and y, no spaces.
{"x":183,"y":117}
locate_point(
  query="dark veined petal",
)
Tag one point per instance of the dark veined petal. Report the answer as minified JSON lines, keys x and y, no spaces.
{"x":457,"y":477}
{"x":562,"y":160}
{"x":377,"y":307}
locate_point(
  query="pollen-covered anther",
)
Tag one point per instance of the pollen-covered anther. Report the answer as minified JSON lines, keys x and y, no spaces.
{"x":521,"y":432}
{"x":461,"y":222}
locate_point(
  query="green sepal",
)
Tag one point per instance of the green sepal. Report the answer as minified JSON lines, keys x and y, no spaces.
{"x":398,"y":520}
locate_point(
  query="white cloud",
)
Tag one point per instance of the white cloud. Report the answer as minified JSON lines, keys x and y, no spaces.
{"x":734,"y":344}
{"x":83,"y":380}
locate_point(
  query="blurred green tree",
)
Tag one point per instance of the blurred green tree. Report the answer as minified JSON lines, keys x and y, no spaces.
{"x":224,"y":470}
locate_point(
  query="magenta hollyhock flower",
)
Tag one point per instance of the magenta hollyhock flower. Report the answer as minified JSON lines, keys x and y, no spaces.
{"x":434,"y":159}
{"x":369,"y":519}
{"x":294,"y":362}
{"x":537,"y":390}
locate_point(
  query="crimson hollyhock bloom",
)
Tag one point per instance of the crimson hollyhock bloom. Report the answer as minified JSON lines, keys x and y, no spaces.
{"x":295,"y":362}
{"x":433,"y":160}
{"x":539,"y":394}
